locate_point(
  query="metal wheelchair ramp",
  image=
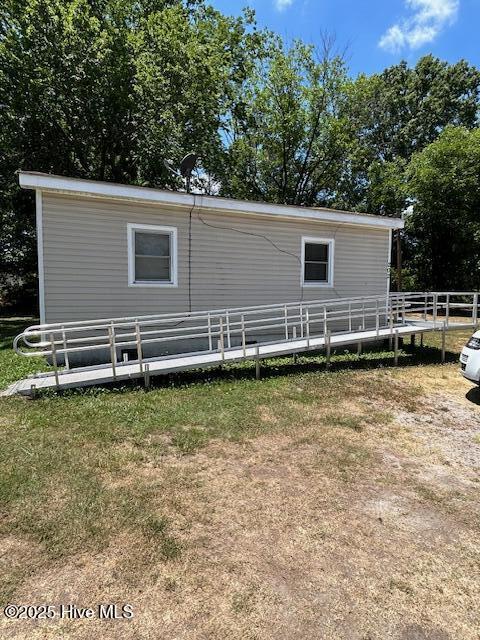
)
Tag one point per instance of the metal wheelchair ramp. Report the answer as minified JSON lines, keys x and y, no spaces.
{"x":232,"y":335}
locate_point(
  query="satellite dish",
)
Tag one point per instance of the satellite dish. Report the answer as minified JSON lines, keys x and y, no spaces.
{"x":187,"y":165}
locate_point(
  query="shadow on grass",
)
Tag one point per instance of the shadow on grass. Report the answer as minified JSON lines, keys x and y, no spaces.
{"x":11,"y":327}
{"x":313,"y":362}
{"x":473,"y":395}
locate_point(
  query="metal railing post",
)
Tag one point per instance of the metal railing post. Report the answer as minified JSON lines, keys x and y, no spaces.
{"x":325,"y":329}
{"x":54,"y":359}
{"x":227,"y":319}
{"x":113,"y":351}
{"x":475,"y":310}
{"x":286,"y":322}
{"x":395,"y":348}
{"x":222,"y":338}
{"x":300,"y":310}
{"x":359,"y":346}
{"x":209,"y":324}
{"x":350,"y":317}
{"x":447,"y":309}
{"x":65,"y":354}
{"x":443,"y":342}
{"x":139,"y":346}
{"x":377,"y":320}
{"x":390,"y":322}
{"x":307,"y":326}
{"x":244,"y":342}
{"x":435,"y":309}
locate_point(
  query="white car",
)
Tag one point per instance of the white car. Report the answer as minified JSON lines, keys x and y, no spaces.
{"x":470,"y":359}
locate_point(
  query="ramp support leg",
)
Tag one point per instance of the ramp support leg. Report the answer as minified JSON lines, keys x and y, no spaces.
{"x":146,"y":376}
{"x":328,"y":348}
{"x":257,"y":363}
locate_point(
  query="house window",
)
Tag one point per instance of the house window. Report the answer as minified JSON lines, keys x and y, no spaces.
{"x":317,"y":262}
{"x":152,"y":256}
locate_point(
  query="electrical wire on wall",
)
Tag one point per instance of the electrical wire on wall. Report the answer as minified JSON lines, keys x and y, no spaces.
{"x":173,"y":326}
{"x":264,"y":237}
{"x":190,"y":254}
{"x":187,"y":166}
{"x":242,"y":232}
{"x":189,"y":262}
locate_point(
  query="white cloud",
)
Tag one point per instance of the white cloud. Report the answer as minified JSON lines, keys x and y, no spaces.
{"x":282,"y":4}
{"x":428,"y":19}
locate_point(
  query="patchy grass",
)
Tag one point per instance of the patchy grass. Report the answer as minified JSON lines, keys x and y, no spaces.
{"x":218,"y":504}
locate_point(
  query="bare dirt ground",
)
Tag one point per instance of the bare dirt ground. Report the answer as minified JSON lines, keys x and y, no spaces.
{"x":364,"y":530}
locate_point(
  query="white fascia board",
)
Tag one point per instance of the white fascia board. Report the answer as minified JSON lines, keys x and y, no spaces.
{"x":92,"y":188}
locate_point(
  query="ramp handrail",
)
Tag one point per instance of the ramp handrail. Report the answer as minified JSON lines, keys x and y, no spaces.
{"x":222,"y":329}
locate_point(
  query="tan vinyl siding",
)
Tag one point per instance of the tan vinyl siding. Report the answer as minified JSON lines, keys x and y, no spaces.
{"x":86,"y":259}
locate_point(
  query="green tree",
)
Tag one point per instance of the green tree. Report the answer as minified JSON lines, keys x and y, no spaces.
{"x":444,"y":229}
{"x":190,"y":71}
{"x":287,"y":135}
{"x":109,"y":89}
{"x":397,"y":113}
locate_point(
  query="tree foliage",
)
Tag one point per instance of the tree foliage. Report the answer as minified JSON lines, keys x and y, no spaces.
{"x":397,"y":113}
{"x":444,"y":228}
{"x":111,"y":89}
{"x":288,"y":135}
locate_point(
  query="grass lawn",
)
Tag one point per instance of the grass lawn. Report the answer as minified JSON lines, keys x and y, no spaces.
{"x":309,"y":504}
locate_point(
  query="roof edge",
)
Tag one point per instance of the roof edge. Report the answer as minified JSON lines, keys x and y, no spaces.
{"x":94,"y":188}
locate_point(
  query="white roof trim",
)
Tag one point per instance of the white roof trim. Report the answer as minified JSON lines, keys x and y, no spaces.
{"x":93,"y":188}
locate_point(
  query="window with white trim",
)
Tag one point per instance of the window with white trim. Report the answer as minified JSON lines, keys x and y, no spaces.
{"x":152,"y":255}
{"x":317,"y":262}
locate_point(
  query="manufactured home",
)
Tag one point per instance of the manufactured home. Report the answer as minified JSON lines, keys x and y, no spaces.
{"x":108,"y":250}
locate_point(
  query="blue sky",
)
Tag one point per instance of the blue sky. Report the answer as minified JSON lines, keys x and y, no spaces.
{"x":378,"y":33}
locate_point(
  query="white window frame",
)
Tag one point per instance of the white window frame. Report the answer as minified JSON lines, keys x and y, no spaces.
{"x":328,"y":284}
{"x":150,"y":228}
